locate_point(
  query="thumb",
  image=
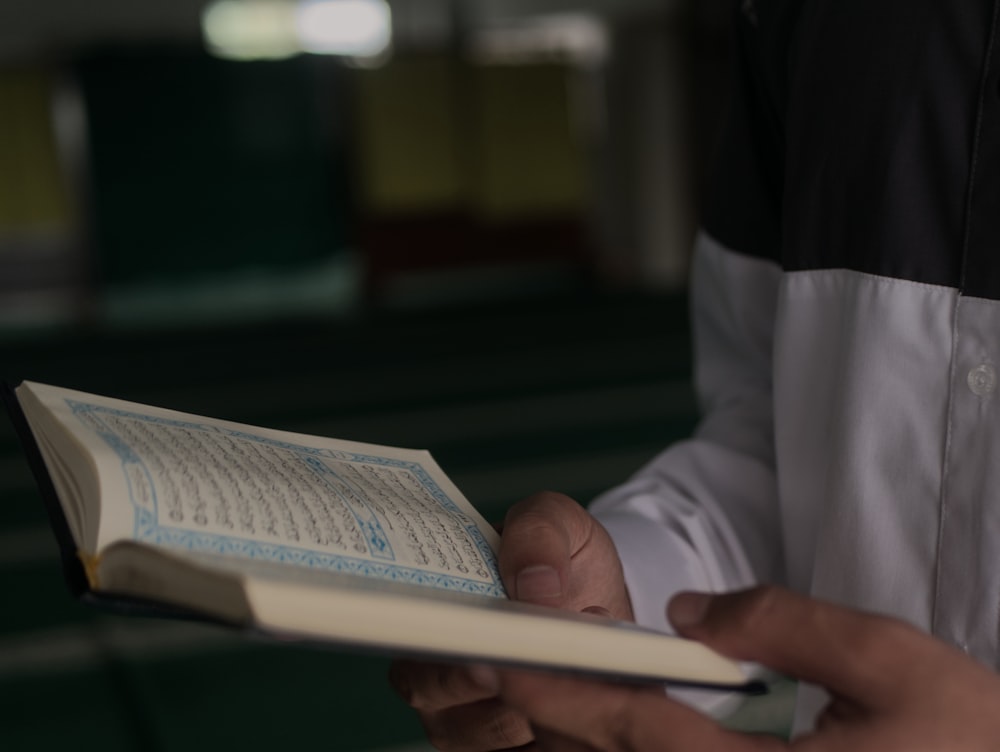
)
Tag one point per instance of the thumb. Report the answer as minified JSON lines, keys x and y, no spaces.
{"x":540,"y":536}
{"x":849,"y":652}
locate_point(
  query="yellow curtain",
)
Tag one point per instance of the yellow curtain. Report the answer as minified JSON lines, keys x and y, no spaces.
{"x":436,"y":134}
{"x":410,"y":136}
{"x":32,"y":191}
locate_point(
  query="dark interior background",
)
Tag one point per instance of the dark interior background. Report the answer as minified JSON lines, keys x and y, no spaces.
{"x":483,"y":254}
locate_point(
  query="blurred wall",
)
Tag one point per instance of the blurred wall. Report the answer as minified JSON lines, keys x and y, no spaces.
{"x":177,"y":167}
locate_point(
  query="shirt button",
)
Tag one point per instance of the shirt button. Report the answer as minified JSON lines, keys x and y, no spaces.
{"x":982,"y":379}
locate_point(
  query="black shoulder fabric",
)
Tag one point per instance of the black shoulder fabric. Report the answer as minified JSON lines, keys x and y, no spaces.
{"x":863,"y":136}
{"x":880,"y":117}
{"x":744,"y":203}
{"x":981,"y":263}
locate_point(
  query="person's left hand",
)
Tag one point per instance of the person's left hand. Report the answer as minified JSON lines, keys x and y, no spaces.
{"x":552,"y":553}
{"x":893,"y":687}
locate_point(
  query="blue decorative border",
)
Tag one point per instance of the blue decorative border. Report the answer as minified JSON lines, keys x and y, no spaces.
{"x":147,"y":528}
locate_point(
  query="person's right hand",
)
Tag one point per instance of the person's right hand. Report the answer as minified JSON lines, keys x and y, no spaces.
{"x":893,"y":688}
{"x":553,"y":553}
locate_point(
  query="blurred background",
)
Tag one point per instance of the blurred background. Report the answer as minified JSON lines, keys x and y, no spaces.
{"x":226,"y":160}
{"x":461,"y":225}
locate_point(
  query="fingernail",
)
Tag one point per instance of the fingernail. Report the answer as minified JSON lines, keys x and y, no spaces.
{"x":538,"y":583}
{"x":484,"y":677}
{"x":688,"y":609}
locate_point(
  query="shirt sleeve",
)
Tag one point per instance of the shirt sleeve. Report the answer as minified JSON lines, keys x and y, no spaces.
{"x":703,"y":514}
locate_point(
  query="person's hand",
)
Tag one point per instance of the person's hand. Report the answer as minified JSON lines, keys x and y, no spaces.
{"x":893,"y":688}
{"x":552,"y":552}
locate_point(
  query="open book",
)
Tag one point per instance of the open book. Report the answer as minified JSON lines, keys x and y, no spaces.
{"x":305,"y":538}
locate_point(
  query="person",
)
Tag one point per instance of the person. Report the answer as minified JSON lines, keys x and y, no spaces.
{"x":846,"y":316}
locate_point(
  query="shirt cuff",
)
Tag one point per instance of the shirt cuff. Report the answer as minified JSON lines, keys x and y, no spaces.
{"x":656,"y":564}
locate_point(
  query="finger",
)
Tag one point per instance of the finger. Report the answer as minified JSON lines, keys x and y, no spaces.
{"x":435,"y":686}
{"x":857,"y":655}
{"x":552,"y":741}
{"x":541,"y":535}
{"x":479,"y":727}
{"x":618,"y":718}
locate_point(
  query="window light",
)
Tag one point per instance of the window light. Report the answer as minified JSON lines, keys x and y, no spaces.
{"x":274,"y":29}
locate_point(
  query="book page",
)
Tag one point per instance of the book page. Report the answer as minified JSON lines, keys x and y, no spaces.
{"x":202,"y":485}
